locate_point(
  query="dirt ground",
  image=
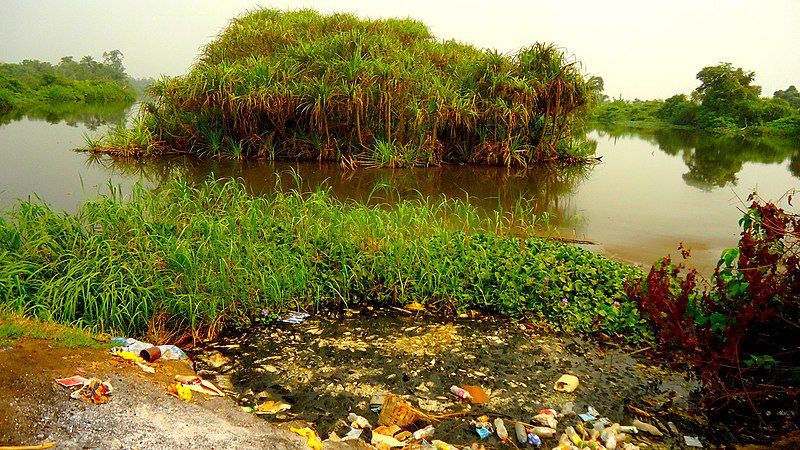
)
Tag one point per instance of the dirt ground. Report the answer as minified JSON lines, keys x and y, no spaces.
{"x":140,"y":414}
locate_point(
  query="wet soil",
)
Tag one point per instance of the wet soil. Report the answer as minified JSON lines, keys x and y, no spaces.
{"x":331,"y":365}
{"x":140,"y":414}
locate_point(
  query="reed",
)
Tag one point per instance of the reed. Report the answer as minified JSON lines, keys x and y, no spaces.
{"x":192,"y":258}
{"x":299,"y":84}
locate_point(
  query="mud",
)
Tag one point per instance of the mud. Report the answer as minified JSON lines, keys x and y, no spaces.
{"x":331,"y":365}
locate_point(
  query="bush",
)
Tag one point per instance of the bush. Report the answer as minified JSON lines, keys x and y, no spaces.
{"x":742,"y":331}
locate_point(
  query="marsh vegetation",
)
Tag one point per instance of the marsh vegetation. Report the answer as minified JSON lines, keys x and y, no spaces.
{"x":386,"y":93}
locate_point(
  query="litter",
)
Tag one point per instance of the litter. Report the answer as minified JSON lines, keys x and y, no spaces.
{"x":146,"y":368}
{"x":522,"y":435}
{"x":567,"y":383}
{"x":460,"y":393}
{"x":483,"y":433}
{"x":692,"y":441}
{"x":479,"y":396}
{"x":534,"y":440}
{"x":376,"y":402}
{"x":396,"y":411}
{"x":352,"y":435}
{"x":378,"y":438}
{"x":586,"y":417}
{"x":424,"y":433}
{"x":500,"y":428}
{"x":646,"y":427}
{"x":313,"y":441}
{"x":357,"y":421}
{"x":94,"y":391}
{"x":544,"y":432}
{"x":546,"y":420}
{"x":268,"y":407}
{"x":198,"y":384}
{"x":180,"y":391}
{"x":672,"y":428}
{"x":295,"y":318}
{"x":146,"y":351}
{"x":414,"y":306}
{"x":73,"y":381}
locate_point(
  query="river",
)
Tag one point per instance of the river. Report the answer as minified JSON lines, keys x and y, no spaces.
{"x":652,"y":190}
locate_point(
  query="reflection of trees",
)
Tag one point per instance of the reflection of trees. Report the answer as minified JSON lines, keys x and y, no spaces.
{"x":714,"y":160}
{"x":72,"y":114}
{"x":541,"y":189}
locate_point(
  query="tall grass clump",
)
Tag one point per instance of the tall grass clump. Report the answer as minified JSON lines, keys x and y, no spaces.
{"x":299,"y":84}
{"x":191,"y":259}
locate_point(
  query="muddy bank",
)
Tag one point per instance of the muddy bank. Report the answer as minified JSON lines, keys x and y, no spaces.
{"x":331,"y":365}
{"x":140,"y":414}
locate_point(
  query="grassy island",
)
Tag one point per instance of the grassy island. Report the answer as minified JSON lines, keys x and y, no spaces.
{"x":299,"y":84}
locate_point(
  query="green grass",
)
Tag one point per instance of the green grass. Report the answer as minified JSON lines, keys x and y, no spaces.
{"x":15,"y":326}
{"x":299,"y":84}
{"x":193,"y":258}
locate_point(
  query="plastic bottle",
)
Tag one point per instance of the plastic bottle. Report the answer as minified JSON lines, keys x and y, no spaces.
{"x":460,"y":393}
{"x":572,"y":435}
{"x":522,"y":435}
{"x":647,"y":428}
{"x":424,"y":433}
{"x":610,"y":439}
{"x":544,"y":432}
{"x":534,"y":440}
{"x":500,"y":427}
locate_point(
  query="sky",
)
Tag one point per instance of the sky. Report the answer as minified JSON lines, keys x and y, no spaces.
{"x":642,"y":49}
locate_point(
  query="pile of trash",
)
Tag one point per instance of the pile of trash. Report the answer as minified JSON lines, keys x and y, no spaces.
{"x":143,"y":355}
{"x":401,"y":425}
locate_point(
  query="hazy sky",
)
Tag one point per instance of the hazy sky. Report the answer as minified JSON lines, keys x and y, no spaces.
{"x":642,"y":48}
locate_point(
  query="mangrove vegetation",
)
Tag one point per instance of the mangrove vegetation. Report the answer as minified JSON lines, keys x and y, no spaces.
{"x":38,"y":85}
{"x":299,"y":84}
{"x":725,"y":102}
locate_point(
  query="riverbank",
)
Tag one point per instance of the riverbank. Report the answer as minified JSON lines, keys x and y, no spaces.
{"x":190,"y":259}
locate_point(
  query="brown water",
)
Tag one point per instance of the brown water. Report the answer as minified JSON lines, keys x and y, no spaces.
{"x":651,"y":191}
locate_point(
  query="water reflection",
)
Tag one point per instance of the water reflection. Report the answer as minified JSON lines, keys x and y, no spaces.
{"x":90,"y":116}
{"x":543,"y":190}
{"x":714,"y":161}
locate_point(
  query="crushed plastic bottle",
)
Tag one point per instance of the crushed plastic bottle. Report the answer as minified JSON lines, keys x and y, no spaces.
{"x":500,"y":428}
{"x":460,"y":393}
{"x":534,"y":440}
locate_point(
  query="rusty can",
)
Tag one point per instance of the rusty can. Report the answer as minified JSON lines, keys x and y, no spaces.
{"x":150,"y":354}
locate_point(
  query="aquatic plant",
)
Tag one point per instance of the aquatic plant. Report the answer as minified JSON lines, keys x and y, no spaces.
{"x":300,"y":84}
{"x":193,"y":258}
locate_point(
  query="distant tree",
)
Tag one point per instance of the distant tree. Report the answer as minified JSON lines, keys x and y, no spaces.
{"x":678,"y":110}
{"x":726,"y":93}
{"x":113,"y":62}
{"x":791,"y":95}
